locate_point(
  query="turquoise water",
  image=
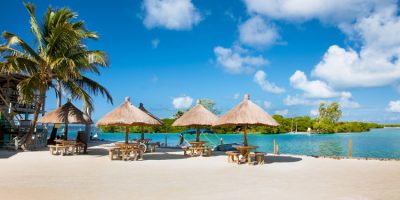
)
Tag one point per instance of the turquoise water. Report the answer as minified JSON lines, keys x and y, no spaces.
{"x":378,"y":143}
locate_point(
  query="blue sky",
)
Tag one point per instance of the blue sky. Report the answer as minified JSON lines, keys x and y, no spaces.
{"x":288,"y":56}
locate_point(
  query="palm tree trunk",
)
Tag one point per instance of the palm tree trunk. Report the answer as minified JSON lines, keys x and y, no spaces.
{"x":59,"y":94}
{"x":38,"y":108}
{"x":59,"y":102}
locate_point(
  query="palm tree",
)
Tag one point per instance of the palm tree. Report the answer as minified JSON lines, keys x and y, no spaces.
{"x":59,"y":57}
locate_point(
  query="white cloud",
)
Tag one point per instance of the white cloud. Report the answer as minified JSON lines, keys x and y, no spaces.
{"x":314,"y":112}
{"x":260,"y":77}
{"x":376,"y":64}
{"x":236,"y":96}
{"x":373,"y":24}
{"x":324,"y":10}
{"x":182,"y":102}
{"x":316,"y":89}
{"x":237,"y":60}
{"x":346,"y":101}
{"x":255,"y":32}
{"x":267,"y":104}
{"x":170,"y":14}
{"x":393,"y":106}
{"x":298,"y":100}
{"x":155,"y":43}
{"x":282,"y":112}
{"x":312,"y":89}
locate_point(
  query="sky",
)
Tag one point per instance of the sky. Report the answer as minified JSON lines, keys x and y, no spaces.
{"x":289,"y":55}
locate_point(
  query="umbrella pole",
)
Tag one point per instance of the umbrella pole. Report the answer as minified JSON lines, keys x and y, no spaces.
{"x":142,"y":135}
{"x":245,"y":136}
{"x":127,"y":135}
{"x":197,"y":134}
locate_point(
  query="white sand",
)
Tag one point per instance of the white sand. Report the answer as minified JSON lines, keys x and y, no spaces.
{"x":169,"y":175}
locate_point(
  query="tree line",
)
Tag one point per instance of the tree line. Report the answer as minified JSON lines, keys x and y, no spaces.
{"x":326,"y":122}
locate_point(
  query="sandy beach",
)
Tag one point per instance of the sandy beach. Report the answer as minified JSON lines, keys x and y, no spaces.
{"x":169,"y":175}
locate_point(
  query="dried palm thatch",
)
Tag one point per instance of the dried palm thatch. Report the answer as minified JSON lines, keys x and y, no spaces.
{"x":127,"y":115}
{"x":198,"y":116}
{"x":244,"y":114}
{"x":142,"y":108}
{"x":66,"y":114}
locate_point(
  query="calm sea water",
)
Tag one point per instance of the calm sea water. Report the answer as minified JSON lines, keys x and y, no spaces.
{"x":378,"y":143}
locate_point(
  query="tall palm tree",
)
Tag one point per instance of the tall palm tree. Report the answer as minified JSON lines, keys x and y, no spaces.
{"x":59,"y":57}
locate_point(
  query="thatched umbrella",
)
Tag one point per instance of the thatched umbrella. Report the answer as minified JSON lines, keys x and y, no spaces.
{"x":198,"y":116}
{"x":66,"y":114}
{"x":244,"y":114}
{"x":127,"y":115}
{"x":142,"y":108}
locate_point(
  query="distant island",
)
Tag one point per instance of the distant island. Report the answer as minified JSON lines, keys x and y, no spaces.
{"x":326,"y":123}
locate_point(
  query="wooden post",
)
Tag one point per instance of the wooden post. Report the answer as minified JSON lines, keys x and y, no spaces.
{"x":66,"y":131}
{"x":142,"y":134}
{"x":127,"y":135}
{"x":274,"y":148}
{"x":277,"y":149}
{"x":197,"y":134}
{"x":350,"y":150}
{"x":245,"y":143}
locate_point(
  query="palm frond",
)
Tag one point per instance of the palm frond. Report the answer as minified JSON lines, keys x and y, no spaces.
{"x":12,"y":39}
{"x":28,"y":88}
{"x":34,"y":25}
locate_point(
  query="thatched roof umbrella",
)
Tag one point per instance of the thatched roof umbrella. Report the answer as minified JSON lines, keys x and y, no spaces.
{"x":198,"y":116}
{"x":66,"y":114}
{"x":142,"y":108}
{"x":244,"y":114}
{"x":127,"y":115}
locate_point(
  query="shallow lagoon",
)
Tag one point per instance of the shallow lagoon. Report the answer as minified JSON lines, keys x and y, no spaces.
{"x":378,"y":143}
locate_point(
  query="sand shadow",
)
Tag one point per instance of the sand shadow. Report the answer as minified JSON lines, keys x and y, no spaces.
{"x":4,"y":154}
{"x":281,"y":159}
{"x":163,"y":156}
{"x":159,"y":154}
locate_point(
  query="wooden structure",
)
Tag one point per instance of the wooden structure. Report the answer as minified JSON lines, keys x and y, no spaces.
{"x":197,"y":117}
{"x":245,"y":114}
{"x":14,"y":116}
{"x":127,"y":115}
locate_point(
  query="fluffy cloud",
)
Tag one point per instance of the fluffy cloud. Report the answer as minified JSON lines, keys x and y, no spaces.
{"x":312,"y":89}
{"x":237,"y":60}
{"x":170,"y":14}
{"x":314,"y":112}
{"x":376,"y":64}
{"x":346,"y":101}
{"x":260,"y":77}
{"x":316,"y":89}
{"x":393,"y":106}
{"x":255,"y":32}
{"x":298,"y":100}
{"x":282,"y":112}
{"x":182,"y":102}
{"x":337,"y":11}
{"x":373,"y":25}
{"x":236,"y":96}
